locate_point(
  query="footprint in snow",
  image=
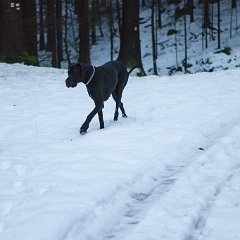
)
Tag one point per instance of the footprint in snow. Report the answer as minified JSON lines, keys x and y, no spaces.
{"x":20,"y":170}
{"x":5,"y":208}
{"x":5,"y":165}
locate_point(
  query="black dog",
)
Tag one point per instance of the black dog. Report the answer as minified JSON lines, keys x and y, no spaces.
{"x":101,"y":82}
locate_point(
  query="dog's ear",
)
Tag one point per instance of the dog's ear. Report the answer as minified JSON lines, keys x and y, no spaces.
{"x":84,"y":67}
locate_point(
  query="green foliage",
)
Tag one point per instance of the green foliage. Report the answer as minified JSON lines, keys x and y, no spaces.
{"x":24,"y":58}
{"x":28,"y":59}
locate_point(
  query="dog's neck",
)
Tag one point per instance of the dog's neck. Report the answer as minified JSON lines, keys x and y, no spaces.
{"x":91,"y":77}
{"x":89,"y":74}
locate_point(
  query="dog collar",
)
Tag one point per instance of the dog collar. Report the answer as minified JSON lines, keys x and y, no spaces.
{"x":90,"y":79}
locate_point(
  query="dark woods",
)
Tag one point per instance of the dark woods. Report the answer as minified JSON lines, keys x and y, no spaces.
{"x":58,"y":32}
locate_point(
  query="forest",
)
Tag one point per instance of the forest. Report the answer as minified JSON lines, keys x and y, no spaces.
{"x":59,"y":32}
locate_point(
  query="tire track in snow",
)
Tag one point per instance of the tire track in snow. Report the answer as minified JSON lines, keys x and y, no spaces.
{"x":142,"y":202}
{"x":121,"y":219}
{"x":201,"y":221}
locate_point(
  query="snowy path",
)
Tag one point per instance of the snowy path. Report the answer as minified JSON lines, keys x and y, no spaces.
{"x":160,"y":208}
{"x":144,"y":177}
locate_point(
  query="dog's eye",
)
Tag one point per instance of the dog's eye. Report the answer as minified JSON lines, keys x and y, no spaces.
{"x":69,"y":71}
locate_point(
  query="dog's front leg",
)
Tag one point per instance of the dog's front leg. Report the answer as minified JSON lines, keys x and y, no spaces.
{"x":97,"y":109}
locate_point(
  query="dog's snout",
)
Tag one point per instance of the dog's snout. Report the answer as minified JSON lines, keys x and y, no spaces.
{"x":67,"y":82}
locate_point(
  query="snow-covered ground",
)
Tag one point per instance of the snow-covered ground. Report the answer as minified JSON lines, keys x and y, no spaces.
{"x":170,"y":171}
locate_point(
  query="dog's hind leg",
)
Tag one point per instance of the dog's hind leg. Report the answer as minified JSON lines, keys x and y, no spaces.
{"x":100,"y":117}
{"x":119,"y":104}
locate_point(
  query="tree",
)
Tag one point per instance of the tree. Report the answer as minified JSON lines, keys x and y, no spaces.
{"x":66,"y":34}
{"x":12,"y":46}
{"x":190,"y":8}
{"x":50,"y":24}
{"x":93,"y":22}
{"x":58,"y":33}
{"x":159,"y":8}
{"x":206,"y":21}
{"x":111,"y":28}
{"x":219,"y":25}
{"x":233,"y":6}
{"x":84,"y":46}
{"x":41,"y":25}
{"x":185,"y":37}
{"x":29,"y":19}
{"x":130,"y":50}
{"x":154,"y":52}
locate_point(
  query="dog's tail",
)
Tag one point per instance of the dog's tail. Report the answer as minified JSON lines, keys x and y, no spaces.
{"x":133,"y":69}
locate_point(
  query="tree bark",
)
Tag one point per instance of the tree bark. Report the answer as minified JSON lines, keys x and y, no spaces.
{"x":111,"y":29}
{"x":130,"y":50}
{"x":190,"y":7}
{"x":84,"y":47}
{"x":159,"y":4}
{"x":30,"y":28}
{"x":41,"y":25}
{"x":59,"y":31}
{"x":93,"y":22}
{"x":50,"y":24}
{"x":153,"y":39}
{"x":12,"y":45}
{"x":219,"y":25}
{"x":206,"y":21}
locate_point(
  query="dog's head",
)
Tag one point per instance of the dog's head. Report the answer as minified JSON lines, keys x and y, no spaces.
{"x":77,"y":73}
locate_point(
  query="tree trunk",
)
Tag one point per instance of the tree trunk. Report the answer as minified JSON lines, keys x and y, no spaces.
{"x":206,"y":21}
{"x":59,"y":31}
{"x":111,"y":29}
{"x":130,"y":50}
{"x":84,"y":47}
{"x":219,"y":25}
{"x":159,"y":20}
{"x":93,"y":22}
{"x":118,"y":15}
{"x":66,"y":33}
{"x":12,"y":45}
{"x":153,"y":39}
{"x":55,"y":57}
{"x":185,"y":39}
{"x":41,"y":27}
{"x":30,"y":29}
{"x":77,"y":7}
{"x":99,"y":17}
{"x":50,"y":24}
{"x":190,"y":7}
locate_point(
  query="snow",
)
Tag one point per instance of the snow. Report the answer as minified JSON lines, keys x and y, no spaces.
{"x":168,"y":171}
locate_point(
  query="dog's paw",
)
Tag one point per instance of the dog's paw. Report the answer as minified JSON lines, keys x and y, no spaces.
{"x":83,"y":130}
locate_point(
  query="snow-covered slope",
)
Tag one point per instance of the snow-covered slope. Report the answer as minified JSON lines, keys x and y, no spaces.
{"x":168,"y":171}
